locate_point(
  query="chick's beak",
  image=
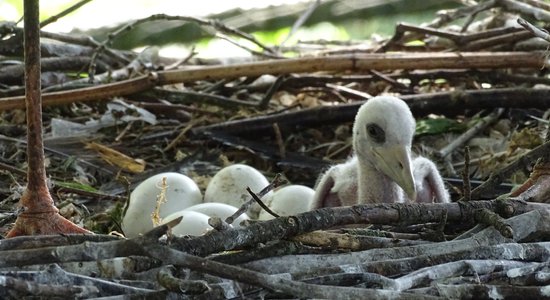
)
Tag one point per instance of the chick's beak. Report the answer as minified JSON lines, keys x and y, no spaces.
{"x":395,"y":162}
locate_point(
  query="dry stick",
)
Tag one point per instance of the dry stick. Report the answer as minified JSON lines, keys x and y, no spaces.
{"x":402,"y":213}
{"x":261,"y":203}
{"x":101,"y":92}
{"x":359,"y":62}
{"x":466,"y":186}
{"x":236,"y":43}
{"x":443,"y":18}
{"x":271,"y":91}
{"x":525,"y":9}
{"x":279,"y":140}
{"x":169,"y":281}
{"x":20,"y":287}
{"x":505,"y":39}
{"x":212,"y":23}
{"x":84,"y":41}
{"x":350,"y":91}
{"x":490,"y":218}
{"x":541,"y":33}
{"x":274,"y":283}
{"x":59,"y":153}
{"x":451,"y":15}
{"x":333,"y":240}
{"x":277,"y":181}
{"x":301,"y":20}
{"x":13,"y":73}
{"x":390,"y":80}
{"x":337,"y":63}
{"x":487,"y":291}
{"x":63,"y":13}
{"x":182,"y":61}
{"x":457,"y":38}
{"x":470,"y":133}
{"x":191,"y":97}
{"x":538,"y":4}
{"x":138,"y":66}
{"x":422,"y":104}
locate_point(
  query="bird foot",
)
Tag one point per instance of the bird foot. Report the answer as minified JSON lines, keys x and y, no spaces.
{"x":537,"y":187}
{"x":41,"y":217}
{"x":43,"y":223}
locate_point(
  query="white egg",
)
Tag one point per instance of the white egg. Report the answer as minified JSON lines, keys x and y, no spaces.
{"x":181,"y":193}
{"x":288,"y":201}
{"x":220,"y":210}
{"x":230,"y":183}
{"x":193,"y":223}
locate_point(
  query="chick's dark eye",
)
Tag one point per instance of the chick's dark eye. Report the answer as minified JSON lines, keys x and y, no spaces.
{"x":376,"y":133}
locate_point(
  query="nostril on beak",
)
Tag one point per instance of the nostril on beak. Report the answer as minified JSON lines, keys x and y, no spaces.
{"x":400,"y":165}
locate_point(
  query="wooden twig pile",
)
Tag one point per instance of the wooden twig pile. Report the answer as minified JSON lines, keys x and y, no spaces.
{"x":273,"y":112}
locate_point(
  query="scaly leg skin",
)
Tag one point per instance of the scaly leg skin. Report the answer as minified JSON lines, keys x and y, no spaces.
{"x":537,"y":187}
{"x":41,"y":217}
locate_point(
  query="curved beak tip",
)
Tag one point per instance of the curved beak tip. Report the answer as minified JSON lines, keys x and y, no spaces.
{"x":412,"y":195}
{"x":403,"y":174}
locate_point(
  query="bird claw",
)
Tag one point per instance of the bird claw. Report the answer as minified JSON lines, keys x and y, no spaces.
{"x":43,"y":223}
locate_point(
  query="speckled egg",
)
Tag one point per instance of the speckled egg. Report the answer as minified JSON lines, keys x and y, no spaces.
{"x":220,"y":210}
{"x":181,"y":193}
{"x":288,"y":201}
{"x":230,"y":183}
{"x":193,"y":223}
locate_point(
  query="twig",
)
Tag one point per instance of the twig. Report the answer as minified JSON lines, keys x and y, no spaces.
{"x":466,"y":185}
{"x":60,"y":15}
{"x":541,"y":33}
{"x":422,"y":104}
{"x":271,"y":91}
{"x":261,"y":203}
{"x":525,"y":9}
{"x":182,"y":61}
{"x":301,"y":20}
{"x":275,"y":283}
{"x":390,"y":61}
{"x":489,"y":218}
{"x":212,"y":23}
{"x":279,"y":140}
{"x":167,"y":280}
{"x":352,"y":242}
{"x":349,"y":91}
{"x":470,"y":133}
{"x":486,"y":244}
{"x":59,"y":153}
{"x":285,"y":227}
{"x":277,"y":181}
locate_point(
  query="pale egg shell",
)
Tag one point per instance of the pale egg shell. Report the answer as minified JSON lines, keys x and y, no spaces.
{"x":230,"y":183}
{"x":181,"y":193}
{"x":288,"y":201}
{"x":193,"y":223}
{"x":220,"y":210}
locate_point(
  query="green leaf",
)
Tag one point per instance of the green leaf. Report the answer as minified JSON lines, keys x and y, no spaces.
{"x":76,"y":186}
{"x":439,"y":125}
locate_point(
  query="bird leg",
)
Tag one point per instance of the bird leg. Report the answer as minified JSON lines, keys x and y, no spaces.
{"x":537,"y":187}
{"x":40,"y":215}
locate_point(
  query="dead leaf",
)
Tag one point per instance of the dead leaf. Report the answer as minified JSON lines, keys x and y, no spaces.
{"x":118,"y":159}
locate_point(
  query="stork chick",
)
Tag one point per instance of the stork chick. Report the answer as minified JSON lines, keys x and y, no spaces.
{"x":381,"y":170}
